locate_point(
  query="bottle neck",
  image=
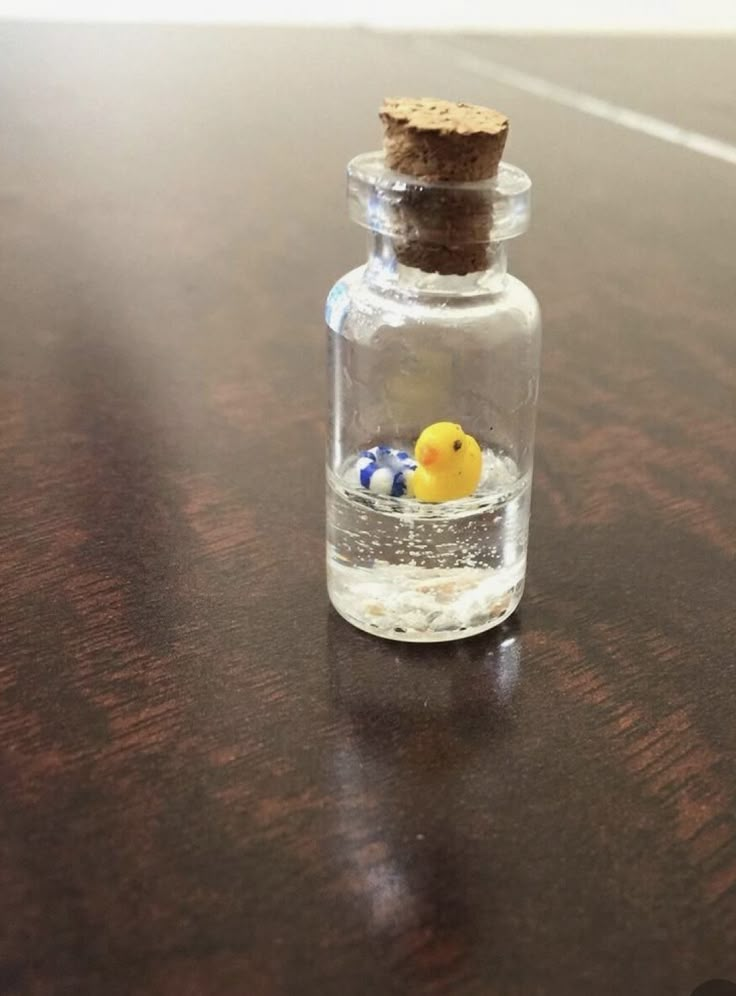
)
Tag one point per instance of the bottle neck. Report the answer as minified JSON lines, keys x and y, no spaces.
{"x":384,"y":272}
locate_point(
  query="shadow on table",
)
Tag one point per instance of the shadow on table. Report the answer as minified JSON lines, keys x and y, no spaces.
{"x":465,"y":687}
{"x":413,"y":775}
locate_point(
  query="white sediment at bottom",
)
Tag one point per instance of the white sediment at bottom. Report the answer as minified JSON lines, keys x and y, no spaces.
{"x":417,"y":604}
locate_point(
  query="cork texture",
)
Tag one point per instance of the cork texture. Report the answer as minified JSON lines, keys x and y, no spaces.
{"x":440,"y":141}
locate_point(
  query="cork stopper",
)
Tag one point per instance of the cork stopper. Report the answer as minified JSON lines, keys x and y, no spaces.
{"x":441,"y":140}
{"x":438,"y":141}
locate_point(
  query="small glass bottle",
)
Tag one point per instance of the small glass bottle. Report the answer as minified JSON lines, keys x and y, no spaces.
{"x":410,"y":347}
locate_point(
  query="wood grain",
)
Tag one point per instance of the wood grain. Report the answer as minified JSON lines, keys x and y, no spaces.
{"x":208,"y":783}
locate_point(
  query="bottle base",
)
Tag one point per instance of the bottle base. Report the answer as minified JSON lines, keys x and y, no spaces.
{"x":438,"y":611}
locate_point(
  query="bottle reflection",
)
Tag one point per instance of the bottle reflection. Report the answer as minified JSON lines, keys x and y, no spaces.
{"x":378,"y":684}
{"x":419,"y":725}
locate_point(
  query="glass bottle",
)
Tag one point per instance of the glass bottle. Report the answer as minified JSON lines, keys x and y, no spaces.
{"x":410,"y":348}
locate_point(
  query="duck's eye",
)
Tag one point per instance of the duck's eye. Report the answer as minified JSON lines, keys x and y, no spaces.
{"x":458,"y":444}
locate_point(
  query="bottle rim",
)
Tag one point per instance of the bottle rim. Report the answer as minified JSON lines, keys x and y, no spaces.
{"x":401,"y":206}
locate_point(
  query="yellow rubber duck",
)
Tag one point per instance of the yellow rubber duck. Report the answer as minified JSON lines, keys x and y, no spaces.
{"x":449,"y":463}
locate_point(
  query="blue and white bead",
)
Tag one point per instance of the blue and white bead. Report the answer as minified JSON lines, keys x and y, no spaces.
{"x":386,"y":471}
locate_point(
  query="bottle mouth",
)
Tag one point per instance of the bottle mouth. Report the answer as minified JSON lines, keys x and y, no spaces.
{"x":451,"y":213}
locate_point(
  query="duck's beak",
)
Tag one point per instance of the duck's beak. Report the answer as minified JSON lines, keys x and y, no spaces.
{"x":426,"y":454}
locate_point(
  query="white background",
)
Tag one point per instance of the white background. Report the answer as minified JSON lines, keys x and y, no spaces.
{"x":490,"y":15}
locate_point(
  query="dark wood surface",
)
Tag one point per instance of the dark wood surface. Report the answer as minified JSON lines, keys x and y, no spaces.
{"x":209,"y":783}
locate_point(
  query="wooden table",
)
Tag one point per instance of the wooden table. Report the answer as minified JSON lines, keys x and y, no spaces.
{"x":211,"y":785}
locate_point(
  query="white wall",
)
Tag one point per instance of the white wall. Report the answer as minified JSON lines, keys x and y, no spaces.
{"x":493,"y":15}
